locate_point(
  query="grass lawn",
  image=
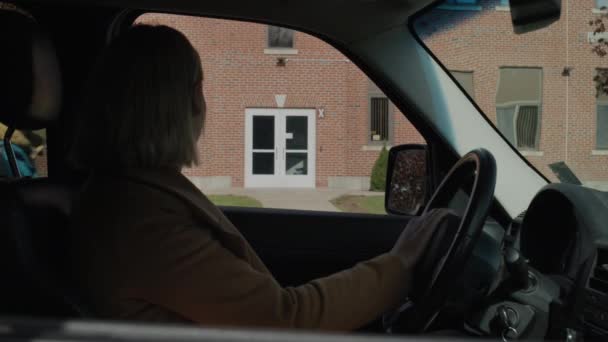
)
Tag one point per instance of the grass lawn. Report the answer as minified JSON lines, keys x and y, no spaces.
{"x":360,"y":204}
{"x":235,"y":201}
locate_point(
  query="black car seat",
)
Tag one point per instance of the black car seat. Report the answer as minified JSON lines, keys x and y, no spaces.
{"x":34,"y":212}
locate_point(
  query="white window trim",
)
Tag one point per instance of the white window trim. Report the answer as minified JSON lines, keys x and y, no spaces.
{"x":598,"y":11}
{"x":280,"y":51}
{"x":517,"y":104}
{"x":597,"y":152}
{"x":374,"y":147}
{"x":502,"y":8}
{"x":531,"y":153}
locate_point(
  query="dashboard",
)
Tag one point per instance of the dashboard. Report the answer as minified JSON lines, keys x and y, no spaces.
{"x":564,"y":237}
{"x":552,"y":279}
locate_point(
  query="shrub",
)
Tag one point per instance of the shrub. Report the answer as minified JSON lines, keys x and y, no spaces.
{"x":378,"y":179}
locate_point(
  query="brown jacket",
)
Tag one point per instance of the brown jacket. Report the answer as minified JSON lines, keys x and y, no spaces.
{"x":150,"y":246}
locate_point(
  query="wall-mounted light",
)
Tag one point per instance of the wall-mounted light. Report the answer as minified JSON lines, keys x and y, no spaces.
{"x":281,"y":61}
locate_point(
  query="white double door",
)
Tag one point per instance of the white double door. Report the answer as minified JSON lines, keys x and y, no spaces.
{"x":279,"y":148}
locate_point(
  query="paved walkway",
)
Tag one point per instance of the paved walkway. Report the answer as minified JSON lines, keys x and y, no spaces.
{"x":305,"y":199}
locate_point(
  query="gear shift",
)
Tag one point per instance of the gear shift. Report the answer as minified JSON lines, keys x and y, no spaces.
{"x":518,"y":268}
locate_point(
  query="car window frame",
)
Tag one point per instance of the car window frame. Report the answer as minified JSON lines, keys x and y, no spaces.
{"x":440,"y":149}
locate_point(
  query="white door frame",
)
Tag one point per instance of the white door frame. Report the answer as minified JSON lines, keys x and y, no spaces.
{"x":279,"y":179}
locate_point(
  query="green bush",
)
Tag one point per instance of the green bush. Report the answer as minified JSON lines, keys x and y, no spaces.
{"x":378,"y":179}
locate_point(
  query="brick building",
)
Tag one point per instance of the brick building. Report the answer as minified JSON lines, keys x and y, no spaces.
{"x":254,"y":89}
{"x":286,"y":109}
{"x":552,"y":69}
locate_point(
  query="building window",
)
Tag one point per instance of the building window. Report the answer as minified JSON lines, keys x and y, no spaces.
{"x":504,"y":3}
{"x":601,"y":138}
{"x":518,"y":106}
{"x":280,"y":38}
{"x":379,"y":119}
{"x":601,"y":133}
{"x":379,"y":115}
{"x":600,"y":4}
{"x":465,"y":79}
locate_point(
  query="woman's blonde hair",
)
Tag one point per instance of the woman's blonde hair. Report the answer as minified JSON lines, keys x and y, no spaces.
{"x":141,"y":103}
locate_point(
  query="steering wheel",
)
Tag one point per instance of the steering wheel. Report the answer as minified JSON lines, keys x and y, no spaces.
{"x":452,"y":244}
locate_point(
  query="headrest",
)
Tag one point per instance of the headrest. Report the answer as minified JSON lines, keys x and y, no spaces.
{"x":30,"y":82}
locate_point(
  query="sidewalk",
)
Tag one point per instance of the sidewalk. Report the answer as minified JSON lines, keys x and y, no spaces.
{"x":304,"y":199}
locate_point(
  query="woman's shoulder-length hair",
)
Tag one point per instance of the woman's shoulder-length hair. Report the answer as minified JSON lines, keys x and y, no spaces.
{"x":139,"y":103}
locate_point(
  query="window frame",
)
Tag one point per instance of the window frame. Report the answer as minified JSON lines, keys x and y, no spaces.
{"x":602,"y":103}
{"x":389,"y":122}
{"x":373,"y":91}
{"x":468,"y":72}
{"x":279,"y":48}
{"x":420,"y":127}
{"x":519,"y":103}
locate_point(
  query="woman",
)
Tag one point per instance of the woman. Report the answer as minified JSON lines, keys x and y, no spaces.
{"x":150,"y":246}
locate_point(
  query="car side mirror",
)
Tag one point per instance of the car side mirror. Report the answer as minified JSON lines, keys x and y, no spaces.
{"x":407,"y":180}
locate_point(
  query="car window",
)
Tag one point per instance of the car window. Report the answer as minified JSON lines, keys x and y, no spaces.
{"x":292,"y":123}
{"x":545,"y":91}
{"x":29,"y":148}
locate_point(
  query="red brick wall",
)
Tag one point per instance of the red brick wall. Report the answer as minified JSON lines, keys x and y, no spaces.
{"x":582,"y":106}
{"x":238,"y":75}
{"x":485,"y":41}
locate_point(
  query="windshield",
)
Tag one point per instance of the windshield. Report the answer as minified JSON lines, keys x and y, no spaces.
{"x":543,"y":91}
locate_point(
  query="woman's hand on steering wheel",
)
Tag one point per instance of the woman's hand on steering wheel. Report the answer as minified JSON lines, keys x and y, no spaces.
{"x":441,"y":253}
{"x":414,"y":239}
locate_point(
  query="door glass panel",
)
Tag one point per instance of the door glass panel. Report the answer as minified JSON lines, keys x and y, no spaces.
{"x":263,"y":163}
{"x":296,"y":163}
{"x":263,"y":132}
{"x":296,"y":135}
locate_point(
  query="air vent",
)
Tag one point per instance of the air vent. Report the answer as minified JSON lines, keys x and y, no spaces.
{"x":599,"y":278}
{"x":521,"y":216}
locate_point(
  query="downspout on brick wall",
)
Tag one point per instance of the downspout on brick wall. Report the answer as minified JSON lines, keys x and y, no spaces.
{"x":567,"y":80}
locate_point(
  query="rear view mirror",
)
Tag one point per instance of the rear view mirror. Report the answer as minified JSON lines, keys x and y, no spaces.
{"x":530,"y":15}
{"x":406,"y":180}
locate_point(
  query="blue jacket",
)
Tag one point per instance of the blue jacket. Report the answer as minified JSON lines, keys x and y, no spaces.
{"x":24,"y":164}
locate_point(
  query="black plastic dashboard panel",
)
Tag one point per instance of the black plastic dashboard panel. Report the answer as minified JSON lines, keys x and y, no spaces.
{"x":563,"y":234}
{"x":561,"y":226}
